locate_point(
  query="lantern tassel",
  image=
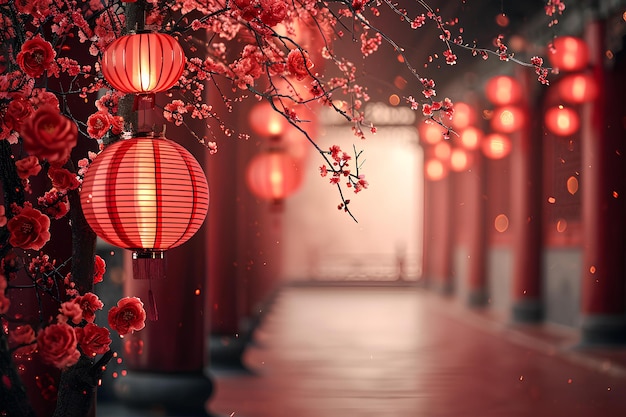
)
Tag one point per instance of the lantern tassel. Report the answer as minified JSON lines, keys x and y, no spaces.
{"x":149,"y":264}
{"x":153,"y":312}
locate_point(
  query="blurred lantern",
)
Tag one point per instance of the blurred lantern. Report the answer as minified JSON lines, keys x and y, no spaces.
{"x":503,"y":90}
{"x":562,"y":121}
{"x":570,"y":53}
{"x":496,"y":146}
{"x":470,"y":137}
{"x":578,"y":88}
{"x":143,"y":63}
{"x":147,"y":195}
{"x":460,"y":160}
{"x":442,"y":150}
{"x":464,"y":115}
{"x":266,"y":121}
{"x":273,"y":175}
{"x":431,"y":133}
{"x":507,"y":119}
{"x":435,"y":170}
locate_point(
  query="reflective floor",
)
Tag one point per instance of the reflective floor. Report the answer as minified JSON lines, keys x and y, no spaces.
{"x":358,"y":352}
{"x":383,"y":351}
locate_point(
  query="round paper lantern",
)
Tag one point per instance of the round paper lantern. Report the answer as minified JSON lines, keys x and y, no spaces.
{"x":435,"y":170}
{"x":570,"y":53}
{"x":273,"y":175}
{"x":142,"y":63}
{"x":496,"y":146}
{"x":266,"y":121}
{"x":562,"y":121}
{"x":431,"y":133}
{"x":470,"y":137}
{"x":145,"y":194}
{"x":507,"y":119}
{"x":460,"y":160}
{"x":578,"y":88}
{"x":503,"y":90}
{"x":464,"y":115}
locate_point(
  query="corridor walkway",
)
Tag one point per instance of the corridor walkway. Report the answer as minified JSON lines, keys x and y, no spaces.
{"x":385,"y":351}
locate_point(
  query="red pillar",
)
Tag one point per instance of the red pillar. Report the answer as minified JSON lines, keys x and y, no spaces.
{"x":437,"y":233}
{"x":603,"y":193}
{"x":525,"y":189}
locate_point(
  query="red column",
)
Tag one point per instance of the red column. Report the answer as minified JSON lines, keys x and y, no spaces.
{"x":474,"y":189}
{"x":603,"y":193}
{"x":437,"y":243}
{"x":525,"y":189}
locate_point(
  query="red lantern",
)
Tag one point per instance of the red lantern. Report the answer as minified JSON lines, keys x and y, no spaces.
{"x":431,"y":133}
{"x":578,"y":88}
{"x":507,"y":119}
{"x":496,"y":146}
{"x":145,"y":194}
{"x":266,"y":121}
{"x":464,"y":115}
{"x":562,"y":121}
{"x":460,"y":160}
{"x":273,"y":175}
{"x":570,"y":53}
{"x":435,"y":169}
{"x":143,"y":63}
{"x":471,"y":137}
{"x":503,"y":90}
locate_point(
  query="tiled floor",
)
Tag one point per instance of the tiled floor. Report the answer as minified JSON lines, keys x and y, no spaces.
{"x":384,"y":351}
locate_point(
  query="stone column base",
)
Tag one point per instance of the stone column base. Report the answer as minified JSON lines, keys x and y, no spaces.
{"x":527,"y":311}
{"x":603,"y":330}
{"x":179,"y":394}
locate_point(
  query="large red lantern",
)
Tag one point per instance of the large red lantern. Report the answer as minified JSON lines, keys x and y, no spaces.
{"x":273,"y":175}
{"x":142,"y":63}
{"x":145,"y":194}
{"x":562,"y":121}
{"x":266,"y":121}
{"x":570,"y":53}
{"x":502,"y":90}
{"x":507,"y":119}
{"x":578,"y":88}
{"x":496,"y":146}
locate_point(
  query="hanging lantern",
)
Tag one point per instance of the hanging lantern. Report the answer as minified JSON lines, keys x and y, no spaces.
{"x":143,"y":63}
{"x":470,"y":137}
{"x":442,"y":150}
{"x":435,"y":170}
{"x":431,"y":133}
{"x":496,"y":146}
{"x":266,"y":121}
{"x":464,"y":115}
{"x":460,"y":160}
{"x":570,"y":53}
{"x":273,"y":175}
{"x":507,"y":119}
{"x":562,"y":121}
{"x":578,"y":88}
{"x":145,"y":194}
{"x":503,"y":90}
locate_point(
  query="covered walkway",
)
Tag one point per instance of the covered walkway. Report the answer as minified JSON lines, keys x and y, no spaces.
{"x":402,"y":351}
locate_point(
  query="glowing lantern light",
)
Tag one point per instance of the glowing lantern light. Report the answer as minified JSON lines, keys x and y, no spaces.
{"x":503,"y":90}
{"x":463,"y":116}
{"x":273,"y":175}
{"x":143,"y":63}
{"x":496,"y":146}
{"x":470,"y":137}
{"x":570,"y":53}
{"x":578,"y":88}
{"x":266,"y":121}
{"x":459,"y":160}
{"x":431,"y":133}
{"x":435,"y":169}
{"x":562,"y":121}
{"x":442,"y":150}
{"x":507,"y":119}
{"x":145,"y":194}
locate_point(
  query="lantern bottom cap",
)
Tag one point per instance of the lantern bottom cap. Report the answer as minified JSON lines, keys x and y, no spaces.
{"x":148,"y":254}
